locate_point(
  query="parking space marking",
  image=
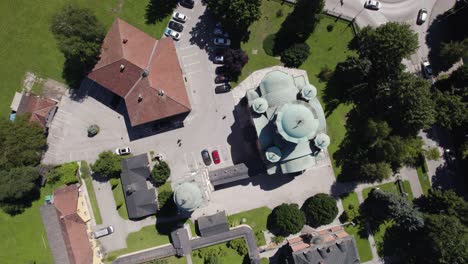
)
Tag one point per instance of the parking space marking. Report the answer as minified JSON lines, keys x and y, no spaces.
{"x":196,"y":71}
{"x":190,"y":64}
{"x":190,"y":55}
{"x":187,"y":47}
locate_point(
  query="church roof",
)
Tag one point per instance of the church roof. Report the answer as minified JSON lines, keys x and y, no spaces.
{"x":188,"y":196}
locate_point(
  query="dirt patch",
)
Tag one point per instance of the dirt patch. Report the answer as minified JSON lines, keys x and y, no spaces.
{"x":53,"y":89}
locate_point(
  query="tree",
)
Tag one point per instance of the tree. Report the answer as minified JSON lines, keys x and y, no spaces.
{"x":21,"y":143}
{"x":295,"y":55}
{"x":386,"y":45}
{"x":444,"y":202}
{"x":320,"y":209}
{"x":453,"y":51}
{"x":79,"y":35}
{"x":213,"y":259}
{"x":459,"y":80}
{"x":234,"y":61}
{"x":66,"y":172}
{"x":18,"y":188}
{"x":372,"y":172}
{"x":352,"y":75}
{"x":107,"y":165}
{"x":238,"y":245}
{"x":235,"y":15}
{"x":411,"y":106}
{"x":157,"y":10}
{"x":451,"y":112}
{"x":287,"y":219}
{"x":160,"y":173}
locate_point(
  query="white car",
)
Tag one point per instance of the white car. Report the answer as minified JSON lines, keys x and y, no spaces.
{"x":179,"y":17}
{"x":220,"y":32}
{"x":372,"y":4}
{"x":422,"y":16}
{"x":172,"y":33}
{"x":123,"y":151}
{"x":427,"y":69}
{"x":222,"y":41}
{"x":102,"y":232}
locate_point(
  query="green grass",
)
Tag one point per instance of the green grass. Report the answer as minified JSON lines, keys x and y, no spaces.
{"x":256,"y":219}
{"x":423,"y":179}
{"x":172,"y":260}
{"x":379,"y":236}
{"x":228,"y":255}
{"x":362,"y":242}
{"x":264,"y":261}
{"x":147,"y":237}
{"x":28,"y":44}
{"x":390,"y":187}
{"x":24,"y":239}
{"x":119,"y":197}
{"x":266,"y":25}
{"x":92,"y":199}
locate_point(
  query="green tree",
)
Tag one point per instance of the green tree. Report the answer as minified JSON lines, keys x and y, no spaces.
{"x":371,"y":172}
{"x":79,"y":36}
{"x":238,"y":245}
{"x":451,"y":112}
{"x":444,"y":202}
{"x":65,"y":172}
{"x":287,"y":219}
{"x":386,"y":45}
{"x":160,"y":173}
{"x":234,"y":61}
{"x":453,"y":51}
{"x":320,"y":209}
{"x":108,"y":165}
{"x":432,"y":153}
{"x":412,"y":108}
{"x":21,"y":143}
{"x":352,"y":75}
{"x":235,"y":15}
{"x":18,"y":188}
{"x":295,"y":55}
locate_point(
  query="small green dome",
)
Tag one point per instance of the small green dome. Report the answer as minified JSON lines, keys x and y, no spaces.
{"x":322,"y":141}
{"x":296,"y":122}
{"x":273,"y":154}
{"x":260,"y":105}
{"x":188,"y":197}
{"x":308,"y":91}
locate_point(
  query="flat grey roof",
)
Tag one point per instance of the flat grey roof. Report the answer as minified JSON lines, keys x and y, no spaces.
{"x":213,"y":224}
{"x":230,"y":174}
{"x":140,"y":200}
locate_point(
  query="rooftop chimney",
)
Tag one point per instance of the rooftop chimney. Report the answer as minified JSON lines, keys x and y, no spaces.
{"x":140,"y":98}
{"x":122,"y":67}
{"x":124,"y":41}
{"x":145,"y":73}
{"x":161,"y":92}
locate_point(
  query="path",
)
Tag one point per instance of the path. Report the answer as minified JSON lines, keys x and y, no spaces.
{"x":410,"y":174}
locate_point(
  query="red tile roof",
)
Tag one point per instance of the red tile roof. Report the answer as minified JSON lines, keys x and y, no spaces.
{"x":159,"y":95}
{"x":73,"y":227}
{"x":37,"y":106}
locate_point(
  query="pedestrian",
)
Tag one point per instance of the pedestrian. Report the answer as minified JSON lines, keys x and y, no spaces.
{"x":180,"y":144}
{"x":178,"y":141}
{"x":224,"y":117}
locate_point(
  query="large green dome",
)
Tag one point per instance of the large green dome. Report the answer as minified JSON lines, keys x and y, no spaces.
{"x":296,"y":122}
{"x":187,"y":196}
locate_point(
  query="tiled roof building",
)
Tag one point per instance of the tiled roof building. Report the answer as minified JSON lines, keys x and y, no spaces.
{"x":145,"y":72}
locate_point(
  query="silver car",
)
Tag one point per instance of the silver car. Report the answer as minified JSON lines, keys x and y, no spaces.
{"x":102,"y":232}
{"x":422,"y":16}
{"x":372,"y":4}
{"x":222,"y":41}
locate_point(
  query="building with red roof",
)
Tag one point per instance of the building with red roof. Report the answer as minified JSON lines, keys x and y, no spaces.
{"x":42,"y":109}
{"x":144,"y":72}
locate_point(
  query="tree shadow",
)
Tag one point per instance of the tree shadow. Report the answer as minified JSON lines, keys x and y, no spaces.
{"x":157,"y":10}
{"x":334,"y":94}
{"x":200,"y":34}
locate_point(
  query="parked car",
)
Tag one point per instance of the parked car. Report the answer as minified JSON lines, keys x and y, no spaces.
{"x":218,"y":25}
{"x":427,"y":69}
{"x":220,"y":70}
{"x":187,"y":3}
{"x":175,"y":26}
{"x":102,"y":232}
{"x":220,"y":32}
{"x":206,"y":157}
{"x":449,"y":156}
{"x":422,"y":16}
{"x":123,"y":151}
{"x":179,"y":17}
{"x":372,"y":4}
{"x":218,"y":59}
{"x":222,"y":79}
{"x":171,"y":33}
{"x":222,"y":41}
{"x":223,"y":88}
{"x":215,"y":156}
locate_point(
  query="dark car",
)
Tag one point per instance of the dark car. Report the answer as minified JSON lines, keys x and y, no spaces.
{"x":220,"y":70}
{"x":187,"y":3}
{"x":175,"y":26}
{"x":223,"y":88}
{"x":215,"y":156}
{"x":222,"y":79}
{"x":205,"y":154}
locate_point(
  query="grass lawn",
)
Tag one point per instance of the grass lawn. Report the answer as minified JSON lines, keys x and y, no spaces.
{"x":362,"y":242}
{"x":390,"y":187}
{"x":171,"y":260}
{"x":379,"y":236}
{"x":147,"y":237}
{"x":227,"y":255}
{"x":256,"y":219}
{"x":423,"y":179}
{"x":28,"y":44}
{"x":119,"y":197}
{"x":24,"y":237}
{"x":92,"y":199}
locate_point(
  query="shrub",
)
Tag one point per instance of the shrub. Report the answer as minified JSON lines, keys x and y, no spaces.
{"x":344,"y":217}
{"x":212,"y":259}
{"x":287,"y":219}
{"x":163,"y":197}
{"x":277,"y":239}
{"x":160,"y":173}
{"x":108,"y":165}
{"x":329,"y":27}
{"x":295,"y":55}
{"x":325,"y":74}
{"x":432,"y":153}
{"x":268,"y":44}
{"x":65,"y":172}
{"x":279,"y":13}
{"x":320,"y":209}
{"x":93,"y":130}
{"x":238,"y":245}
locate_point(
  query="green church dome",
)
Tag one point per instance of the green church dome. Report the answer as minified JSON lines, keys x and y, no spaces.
{"x":296,"y":122}
{"x":187,"y":196}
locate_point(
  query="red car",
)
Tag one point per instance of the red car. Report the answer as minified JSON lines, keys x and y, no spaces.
{"x":215,"y":156}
